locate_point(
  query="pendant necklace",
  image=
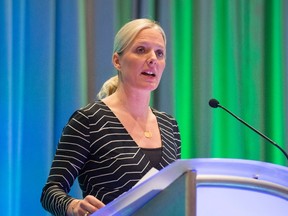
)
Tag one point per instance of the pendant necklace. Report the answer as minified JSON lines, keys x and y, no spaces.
{"x":148,"y":134}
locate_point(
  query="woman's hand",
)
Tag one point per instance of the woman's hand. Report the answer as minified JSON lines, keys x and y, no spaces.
{"x":84,"y":207}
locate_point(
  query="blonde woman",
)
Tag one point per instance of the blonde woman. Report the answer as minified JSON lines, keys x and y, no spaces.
{"x":113,"y":142}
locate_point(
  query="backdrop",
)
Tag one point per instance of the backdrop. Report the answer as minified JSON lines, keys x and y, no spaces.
{"x":56,"y":54}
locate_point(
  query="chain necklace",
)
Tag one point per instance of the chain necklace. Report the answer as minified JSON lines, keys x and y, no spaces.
{"x":147,"y":133}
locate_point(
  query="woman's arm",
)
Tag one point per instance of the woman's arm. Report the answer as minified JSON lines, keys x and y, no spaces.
{"x":71,"y":155}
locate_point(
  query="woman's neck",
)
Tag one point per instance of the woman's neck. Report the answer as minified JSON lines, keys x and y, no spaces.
{"x":135,"y":103}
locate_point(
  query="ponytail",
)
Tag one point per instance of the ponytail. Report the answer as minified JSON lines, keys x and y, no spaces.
{"x":109,"y":87}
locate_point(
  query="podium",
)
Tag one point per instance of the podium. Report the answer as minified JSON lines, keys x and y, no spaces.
{"x":207,"y":187}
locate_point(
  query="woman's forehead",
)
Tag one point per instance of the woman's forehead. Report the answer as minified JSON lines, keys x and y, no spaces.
{"x":148,"y":36}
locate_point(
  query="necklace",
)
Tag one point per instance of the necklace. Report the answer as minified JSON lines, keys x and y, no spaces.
{"x":148,"y":134}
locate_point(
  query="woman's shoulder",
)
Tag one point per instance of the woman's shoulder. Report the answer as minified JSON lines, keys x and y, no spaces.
{"x":96,"y":108}
{"x":164,"y":116}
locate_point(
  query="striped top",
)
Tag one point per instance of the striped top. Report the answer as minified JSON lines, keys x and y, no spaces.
{"x":96,"y":148}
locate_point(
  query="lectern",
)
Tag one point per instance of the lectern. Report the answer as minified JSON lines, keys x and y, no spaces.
{"x":207,"y":187}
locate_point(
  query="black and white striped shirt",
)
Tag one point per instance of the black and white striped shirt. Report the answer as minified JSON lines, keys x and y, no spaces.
{"x":96,"y":148}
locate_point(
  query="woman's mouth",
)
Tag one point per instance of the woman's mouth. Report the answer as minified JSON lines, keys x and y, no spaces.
{"x":149,"y":73}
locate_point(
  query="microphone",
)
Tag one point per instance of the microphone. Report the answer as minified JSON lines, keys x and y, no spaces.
{"x":215,"y":103}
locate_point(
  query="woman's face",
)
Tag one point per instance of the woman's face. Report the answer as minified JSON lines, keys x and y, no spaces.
{"x":142,"y":63}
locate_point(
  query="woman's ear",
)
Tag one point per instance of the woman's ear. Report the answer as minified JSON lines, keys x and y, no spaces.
{"x":116,"y":61}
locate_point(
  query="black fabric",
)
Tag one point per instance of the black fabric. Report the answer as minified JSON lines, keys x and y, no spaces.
{"x":154,"y":155}
{"x":96,"y":147}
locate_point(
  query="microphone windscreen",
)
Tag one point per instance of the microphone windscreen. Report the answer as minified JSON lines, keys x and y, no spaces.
{"x":214,"y":103}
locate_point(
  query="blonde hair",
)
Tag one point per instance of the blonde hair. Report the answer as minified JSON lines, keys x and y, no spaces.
{"x":122,"y":40}
{"x":109,"y":87}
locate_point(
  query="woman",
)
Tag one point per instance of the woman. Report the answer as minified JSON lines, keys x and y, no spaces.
{"x":112,"y":143}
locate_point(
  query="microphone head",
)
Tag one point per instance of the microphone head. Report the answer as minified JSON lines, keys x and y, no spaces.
{"x":214,"y":103}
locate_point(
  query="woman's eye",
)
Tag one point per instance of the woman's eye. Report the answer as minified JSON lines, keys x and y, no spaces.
{"x":140,"y":50}
{"x":160,"y":53}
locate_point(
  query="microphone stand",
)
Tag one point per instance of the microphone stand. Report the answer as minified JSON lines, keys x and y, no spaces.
{"x":214,"y":103}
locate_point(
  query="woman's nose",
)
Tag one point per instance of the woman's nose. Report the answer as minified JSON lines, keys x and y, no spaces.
{"x":152,"y":60}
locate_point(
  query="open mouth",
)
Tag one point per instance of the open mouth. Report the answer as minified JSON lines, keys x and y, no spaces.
{"x":148,"y":73}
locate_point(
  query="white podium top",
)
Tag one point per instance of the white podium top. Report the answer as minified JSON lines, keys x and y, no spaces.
{"x":236,"y":174}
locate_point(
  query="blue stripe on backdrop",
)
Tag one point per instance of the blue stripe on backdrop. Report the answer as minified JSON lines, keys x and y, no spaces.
{"x":27,"y":89}
{"x":37,"y":112}
{"x":17,"y":98}
{"x":11,"y":108}
{"x":30,"y":106}
{"x":103,"y":36}
{"x":6,"y":104}
{"x":67,"y":64}
{"x":67,"y":78}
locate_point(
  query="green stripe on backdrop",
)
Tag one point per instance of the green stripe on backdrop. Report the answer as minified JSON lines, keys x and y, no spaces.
{"x":237,"y":76}
{"x":82,"y":49}
{"x":124,"y":11}
{"x":279,"y":79}
{"x":274,"y":76}
{"x":251,"y":68}
{"x":237,"y":73}
{"x":229,"y":70}
{"x":221,"y":75}
{"x":182,"y":38}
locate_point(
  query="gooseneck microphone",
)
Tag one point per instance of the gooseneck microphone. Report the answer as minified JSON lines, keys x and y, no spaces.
{"x":215,"y":103}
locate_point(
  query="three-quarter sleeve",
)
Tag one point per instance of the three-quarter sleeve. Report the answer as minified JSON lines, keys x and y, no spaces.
{"x":71,"y":155}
